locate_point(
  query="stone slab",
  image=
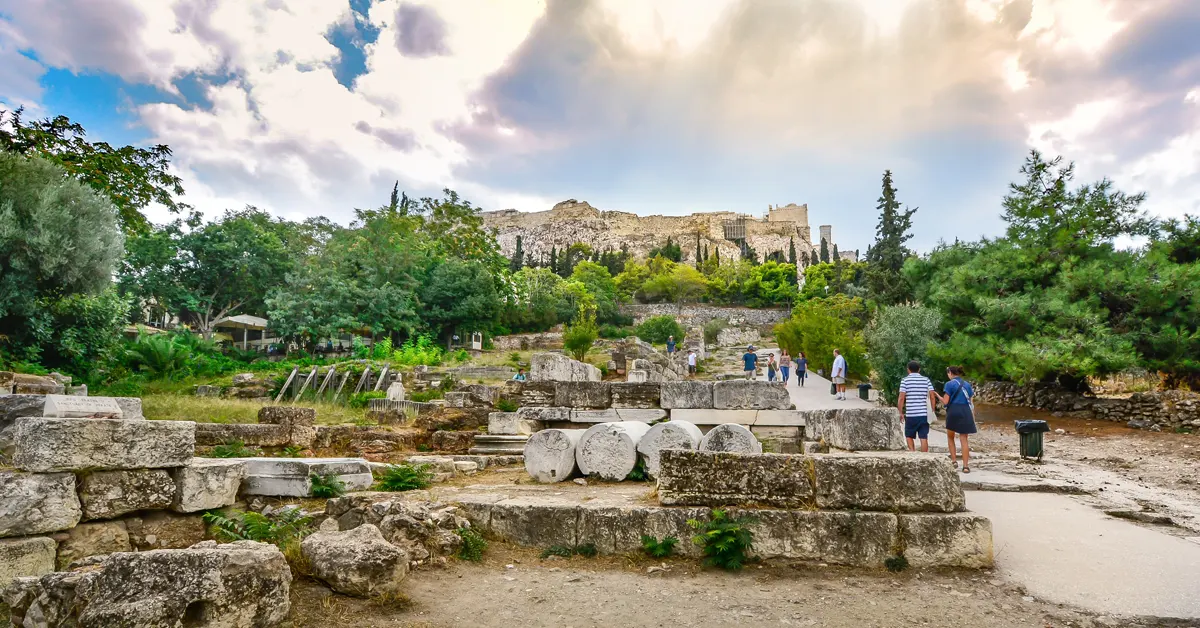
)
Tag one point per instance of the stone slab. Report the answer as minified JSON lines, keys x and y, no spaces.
{"x":511,"y":424}
{"x":131,"y":407}
{"x":251,"y":434}
{"x":859,"y":539}
{"x":292,"y":486}
{"x":905,"y":482}
{"x":36,"y":503}
{"x":955,"y":540}
{"x":686,"y":395}
{"x":73,"y":407}
{"x":25,"y":556}
{"x":287,"y":415}
{"x":290,"y":477}
{"x":715,"y":417}
{"x":91,"y":539}
{"x":545,"y":414}
{"x":857,"y":429}
{"x":556,"y":367}
{"x":750,"y":395}
{"x":613,"y":415}
{"x":635,"y":395}
{"x":207,"y":483}
{"x":583,"y":395}
{"x":109,"y":494}
{"x":46,"y":445}
{"x":780,"y":418}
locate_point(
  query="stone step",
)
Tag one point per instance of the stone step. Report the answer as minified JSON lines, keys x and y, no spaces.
{"x":291,"y":477}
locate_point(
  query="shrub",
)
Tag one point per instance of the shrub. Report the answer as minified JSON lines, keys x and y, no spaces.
{"x":712,"y":329}
{"x":282,"y":527}
{"x":234,"y":449}
{"x":404,"y":477}
{"x":382,"y":349}
{"x":613,"y":331}
{"x":361,"y":400}
{"x":657,"y":329}
{"x":723,"y":541}
{"x":292,"y":451}
{"x":159,"y":356}
{"x":423,"y":396}
{"x":564,"y":551}
{"x":638,"y":473}
{"x":587,"y":550}
{"x":658,"y":549}
{"x":579,"y":337}
{"x":896,"y":564}
{"x":326,"y":486}
{"x":473,"y":544}
{"x":898,"y":334}
{"x":421,"y":351}
{"x":506,"y":405}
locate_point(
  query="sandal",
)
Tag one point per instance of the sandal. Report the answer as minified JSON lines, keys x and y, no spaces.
{"x":966,"y":469}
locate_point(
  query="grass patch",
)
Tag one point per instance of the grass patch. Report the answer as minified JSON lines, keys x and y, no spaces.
{"x":183,"y":407}
{"x":235,"y":449}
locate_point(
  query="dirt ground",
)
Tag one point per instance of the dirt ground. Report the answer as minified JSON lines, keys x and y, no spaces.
{"x":513,"y":587}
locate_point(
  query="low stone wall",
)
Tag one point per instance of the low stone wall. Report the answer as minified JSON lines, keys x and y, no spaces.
{"x":528,"y":342}
{"x":697,"y":315}
{"x":725,"y":395}
{"x":1168,"y":410}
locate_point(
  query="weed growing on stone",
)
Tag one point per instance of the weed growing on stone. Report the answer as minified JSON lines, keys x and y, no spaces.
{"x":896,"y":564}
{"x":234,"y":449}
{"x":282,"y":527}
{"x":658,"y":549}
{"x":404,"y":477}
{"x":293,"y":451}
{"x":564,"y":551}
{"x":506,"y":405}
{"x":326,"y":486}
{"x":587,"y":550}
{"x":363,"y":421}
{"x":391,"y":601}
{"x":473,"y":544}
{"x":724,"y":541}
{"x":638,"y":474}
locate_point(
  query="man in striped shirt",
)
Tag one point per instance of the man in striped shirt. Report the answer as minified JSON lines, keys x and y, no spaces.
{"x":917,"y":400}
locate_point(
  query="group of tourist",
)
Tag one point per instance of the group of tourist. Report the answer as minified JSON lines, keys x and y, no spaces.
{"x":917,"y":401}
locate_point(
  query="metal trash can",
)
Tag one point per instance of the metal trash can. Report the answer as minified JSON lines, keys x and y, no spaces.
{"x":1031,"y":437}
{"x":832,"y":388}
{"x":864,"y":391}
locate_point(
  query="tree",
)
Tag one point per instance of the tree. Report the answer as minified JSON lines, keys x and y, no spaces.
{"x":518,"y":258}
{"x":886,"y":256}
{"x":554,"y":261}
{"x":770,"y":284}
{"x":573,"y":255}
{"x":670,"y":251}
{"x":579,"y":336}
{"x":676,"y":284}
{"x":792,"y":251}
{"x":837,"y":257}
{"x":59,"y":239}
{"x":596,"y":280}
{"x":818,"y":327}
{"x":657,"y":329}
{"x":897,"y":335}
{"x":824,"y":251}
{"x":132,"y":178}
{"x":457,"y":230}
{"x":459,"y":296}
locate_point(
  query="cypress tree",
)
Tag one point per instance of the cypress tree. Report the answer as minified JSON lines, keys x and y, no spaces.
{"x":554,"y":260}
{"x":836,"y":256}
{"x":792,"y":251}
{"x":718,"y":256}
{"x":885,"y":258}
{"x":824,"y":251}
{"x":518,"y":258}
{"x":698,"y":260}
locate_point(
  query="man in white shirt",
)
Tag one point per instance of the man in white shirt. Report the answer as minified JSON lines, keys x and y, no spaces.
{"x":917,"y":399}
{"x":691,"y":362}
{"x":839,"y":374}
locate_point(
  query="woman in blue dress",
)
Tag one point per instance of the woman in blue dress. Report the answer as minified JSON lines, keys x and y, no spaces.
{"x":960,"y":415}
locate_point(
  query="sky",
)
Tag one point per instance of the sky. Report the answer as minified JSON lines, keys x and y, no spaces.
{"x":316,"y":107}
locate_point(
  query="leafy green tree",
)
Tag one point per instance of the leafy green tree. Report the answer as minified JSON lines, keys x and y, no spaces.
{"x":579,"y":336}
{"x":132,"y":178}
{"x":600,"y":284}
{"x":770,"y":284}
{"x":457,"y":230}
{"x":679,"y":284}
{"x":670,"y":251}
{"x":80,"y":332}
{"x":886,"y":256}
{"x":895,"y":336}
{"x":630,"y":281}
{"x":657,"y":329}
{"x":539,"y":300}
{"x":460,"y":296}
{"x":59,"y":239}
{"x":819,"y":326}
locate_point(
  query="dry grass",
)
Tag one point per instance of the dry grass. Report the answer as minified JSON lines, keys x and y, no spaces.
{"x":215,"y":410}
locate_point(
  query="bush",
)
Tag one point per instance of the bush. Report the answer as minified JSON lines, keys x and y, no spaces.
{"x":819,"y":326}
{"x":159,"y":356}
{"x":657,"y":329}
{"x":473,"y":544}
{"x":234,"y":449}
{"x":326,"y":486}
{"x":382,"y":350}
{"x":282,"y":527}
{"x":506,"y":405}
{"x":658,"y":549}
{"x":404,"y":477}
{"x":424,"y":396}
{"x":579,"y":337}
{"x":361,"y":400}
{"x":421,"y":351}
{"x":712,"y":329}
{"x":724,"y":542}
{"x":898,"y":334}
{"x":615,"y":332}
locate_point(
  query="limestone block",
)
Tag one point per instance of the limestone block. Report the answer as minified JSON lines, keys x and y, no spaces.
{"x":441,"y":464}
{"x":108,"y":494}
{"x":781,"y":418}
{"x":35,"y":503}
{"x":291,"y":477}
{"x":358,"y":562}
{"x":250,"y":434}
{"x":544,"y":415}
{"x":644,"y":415}
{"x":131,"y":407}
{"x":595,"y":416}
{"x":858,"y":539}
{"x":619,"y":529}
{"x":451,"y":440}
{"x":585,"y":394}
{"x":44,"y":445}
{"x":637,"y":377}
{"x":456,"y":399}
{"x":740,"y":394}
{"x":857,"y":429}
{"x":715,"y":417}
{"x":953,"y":540}
{"x":287,"y":415}
{"x":499,"y":444}
{"x":72,"y":407}
{"x":237,"y":584}
{"x":668,"y":435}
{"x":635,"y":395}
{"x":550,"y":455}
{"x":555,"y":367}
{"x":207,"y":483}
{"x":731,"y":437}
{"x":25,"y":556}
{"x":536,"y":394}
{"x":38,"y":389}
{"x":703,"y":478}
{"x":160,"y":529}
{"x":530,"y":521}
{"x":511,"y":423}
{"x":683,"y":394}
{"x":905,"y":482}
{"x":91,"y":539}
{"x":609,"y":450}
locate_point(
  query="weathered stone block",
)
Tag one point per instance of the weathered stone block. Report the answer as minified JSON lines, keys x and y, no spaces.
{"x":358,"y":562}
{"x":44,"y":445}
{"x":594,"y":416}
{"x":952,"y":540}
{"x":72,"y":407}
{"x":161,"y":529}
{"x":251,"y":434}
{"x":619,"y":529}
{"x":25,"y":556}
{"x":857,"y":429}
{"x":238,"y":584}
{"x":291,"y":477}
{"x":555,"y":367}
{"x":781,"y":418}
{"x":452,"y":441}
{"x":91,"y":539}
{"x":531,"y":522}
{"x":38,"y":389}
{"x":535,"y":394}
{"x":731,"y":437}
{"x":544,"y":415}
{"x":108,"y":494}
{"x":287,"y":415}
{"x":635,"y":395}
{"x":689,"y":395}
{"x":715,"y":417}
{"x":609,"y":450}
{"x":35,"y":503}
{"x":593,"y":395}
{"x":663,"y":436}
{"x":703,"y":478}
{"x":131,"y":407}
{"x":207,"y":483}
{"x":740,"y":394}
{"x":638,"y":377}
{"x":511,"y":423}
{"x":893,"y":482}
{"x":858,"y":539}
{"x":550,"y":455}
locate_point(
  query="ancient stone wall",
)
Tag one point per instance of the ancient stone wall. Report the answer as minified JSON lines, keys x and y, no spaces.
{"x":696,"y":315}
{"x":1168,"y":410}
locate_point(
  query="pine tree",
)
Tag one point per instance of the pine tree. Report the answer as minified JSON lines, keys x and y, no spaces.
{"x":394,"y":203}
{"x":518,"y":258}
{"x":792,"y":251}
{"x":824,"y":251}
{"x":885,"y":258}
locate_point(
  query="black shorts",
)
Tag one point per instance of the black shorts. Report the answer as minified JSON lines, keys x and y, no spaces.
{"x":916,"y":427}
{"x":692,"y":369}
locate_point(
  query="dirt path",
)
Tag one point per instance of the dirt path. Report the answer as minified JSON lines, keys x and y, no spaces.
{"x":618,"y":592}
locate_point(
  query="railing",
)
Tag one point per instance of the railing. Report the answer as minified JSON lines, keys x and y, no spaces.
{"x":402,"y":405}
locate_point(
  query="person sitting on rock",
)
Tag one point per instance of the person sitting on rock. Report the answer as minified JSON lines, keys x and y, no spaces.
{"x":520,"y":376}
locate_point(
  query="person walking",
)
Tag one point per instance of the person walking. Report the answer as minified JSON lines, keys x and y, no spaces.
{"x":960,"y":415}
{"x":670,"y":346}
{"x":772,"y":367}
{"x":785,"y":365}
{"x":838,"y":374}
{"x":801,"y":368}
{"x":691,"y":362}
{"x":750,"y":362}
{"x":917,"y":400}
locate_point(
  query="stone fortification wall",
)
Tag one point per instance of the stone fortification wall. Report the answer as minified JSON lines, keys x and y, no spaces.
{"x":1160,"y":410}
{"x":697,"y":315}
{"x":574,"y":221}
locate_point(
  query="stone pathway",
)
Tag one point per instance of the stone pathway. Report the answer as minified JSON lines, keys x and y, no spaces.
{"x":814,"y":395}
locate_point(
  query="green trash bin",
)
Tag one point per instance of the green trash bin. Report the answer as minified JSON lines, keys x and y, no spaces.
{"x":1031,"y":432}
{"x":864,"y":392}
